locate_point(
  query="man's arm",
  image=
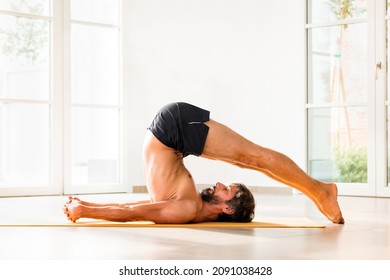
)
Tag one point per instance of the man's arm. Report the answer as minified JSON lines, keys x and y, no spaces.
{"x":172,"y":211}
{"x":86,"y":203}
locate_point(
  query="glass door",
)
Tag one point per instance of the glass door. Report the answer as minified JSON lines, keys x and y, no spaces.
{"x":28,"y":107}
{"x":341,"y":126}
{"x":62,"y":124}
{"x":348,"y":95}
{"x":384,"y":82}
{"x":94,"y":159}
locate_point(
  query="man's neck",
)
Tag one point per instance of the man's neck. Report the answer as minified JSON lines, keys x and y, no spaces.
{"x":208,"y":213}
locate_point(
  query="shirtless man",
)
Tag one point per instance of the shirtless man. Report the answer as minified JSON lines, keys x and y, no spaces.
{"x":179,"y":130}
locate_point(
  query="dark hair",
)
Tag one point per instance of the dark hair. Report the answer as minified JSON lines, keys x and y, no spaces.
{"x":242,"y":204}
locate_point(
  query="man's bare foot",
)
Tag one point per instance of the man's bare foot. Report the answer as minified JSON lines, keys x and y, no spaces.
{"x":328,"y":204}
{"x":72,"y":208}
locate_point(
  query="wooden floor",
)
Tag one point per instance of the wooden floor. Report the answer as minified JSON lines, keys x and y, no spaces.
{"x":366,"y":234}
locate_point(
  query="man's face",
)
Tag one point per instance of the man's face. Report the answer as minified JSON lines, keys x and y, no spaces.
{"x":219,"y":193}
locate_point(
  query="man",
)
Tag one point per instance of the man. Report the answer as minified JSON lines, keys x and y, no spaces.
{"x":181,"y":129}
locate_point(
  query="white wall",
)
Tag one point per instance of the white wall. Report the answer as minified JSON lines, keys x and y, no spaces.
{"x":241,"y":59}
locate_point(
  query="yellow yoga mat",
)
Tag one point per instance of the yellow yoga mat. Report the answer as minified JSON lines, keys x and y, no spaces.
{"x":260,"y":223}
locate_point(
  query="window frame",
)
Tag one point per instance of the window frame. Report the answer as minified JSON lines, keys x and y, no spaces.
{"x":377,"y":135}
{"x":123,"y":184}
{"x":60,"y":105}
{"x":54,"y":186}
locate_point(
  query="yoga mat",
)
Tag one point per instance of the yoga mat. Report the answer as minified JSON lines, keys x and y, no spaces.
{"x":260,"y":223}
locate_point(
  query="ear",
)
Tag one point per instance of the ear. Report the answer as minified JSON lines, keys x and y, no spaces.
{"x":227,"y":210}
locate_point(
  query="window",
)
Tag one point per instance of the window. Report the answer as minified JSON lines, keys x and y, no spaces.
{"x":96,"y":103}
{"x":26,"y":95}
{"x":61,"y":105}
{"x":337,"y":90}
{"x":346,"y":97}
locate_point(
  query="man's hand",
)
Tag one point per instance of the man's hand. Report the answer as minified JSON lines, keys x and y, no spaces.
{"x":73,"y":208}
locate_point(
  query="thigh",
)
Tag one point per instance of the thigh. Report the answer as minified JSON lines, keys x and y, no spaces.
{"x":223,"y":143}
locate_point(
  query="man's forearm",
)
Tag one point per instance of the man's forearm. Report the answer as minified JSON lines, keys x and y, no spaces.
{"x":126,"y":204}
{"x":108,"y":213}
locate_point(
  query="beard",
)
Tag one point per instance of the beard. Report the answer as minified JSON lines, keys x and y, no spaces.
{"x":207,"y":195}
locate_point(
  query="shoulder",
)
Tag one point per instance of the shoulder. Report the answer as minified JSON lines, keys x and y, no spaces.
{"x":181,"y":211}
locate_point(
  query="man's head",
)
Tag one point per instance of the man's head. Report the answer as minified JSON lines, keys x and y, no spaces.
{"x":237,"y":197}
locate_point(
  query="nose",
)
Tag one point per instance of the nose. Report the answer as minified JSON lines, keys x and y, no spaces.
{"x":219,"y":185}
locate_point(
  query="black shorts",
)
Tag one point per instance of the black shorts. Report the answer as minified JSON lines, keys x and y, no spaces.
{"x":180,"y":126}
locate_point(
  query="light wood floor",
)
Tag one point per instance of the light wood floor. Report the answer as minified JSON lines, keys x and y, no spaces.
{"x":366,"y":234}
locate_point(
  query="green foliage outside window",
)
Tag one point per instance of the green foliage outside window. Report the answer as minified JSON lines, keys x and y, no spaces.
{"x":29,"y":36}
{"x":351,"y":164}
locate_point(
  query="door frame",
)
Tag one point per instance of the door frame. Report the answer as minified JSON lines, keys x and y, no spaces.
{"x":376,"y":103}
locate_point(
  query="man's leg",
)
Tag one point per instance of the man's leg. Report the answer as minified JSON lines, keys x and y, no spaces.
{"x":224,"y":144}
